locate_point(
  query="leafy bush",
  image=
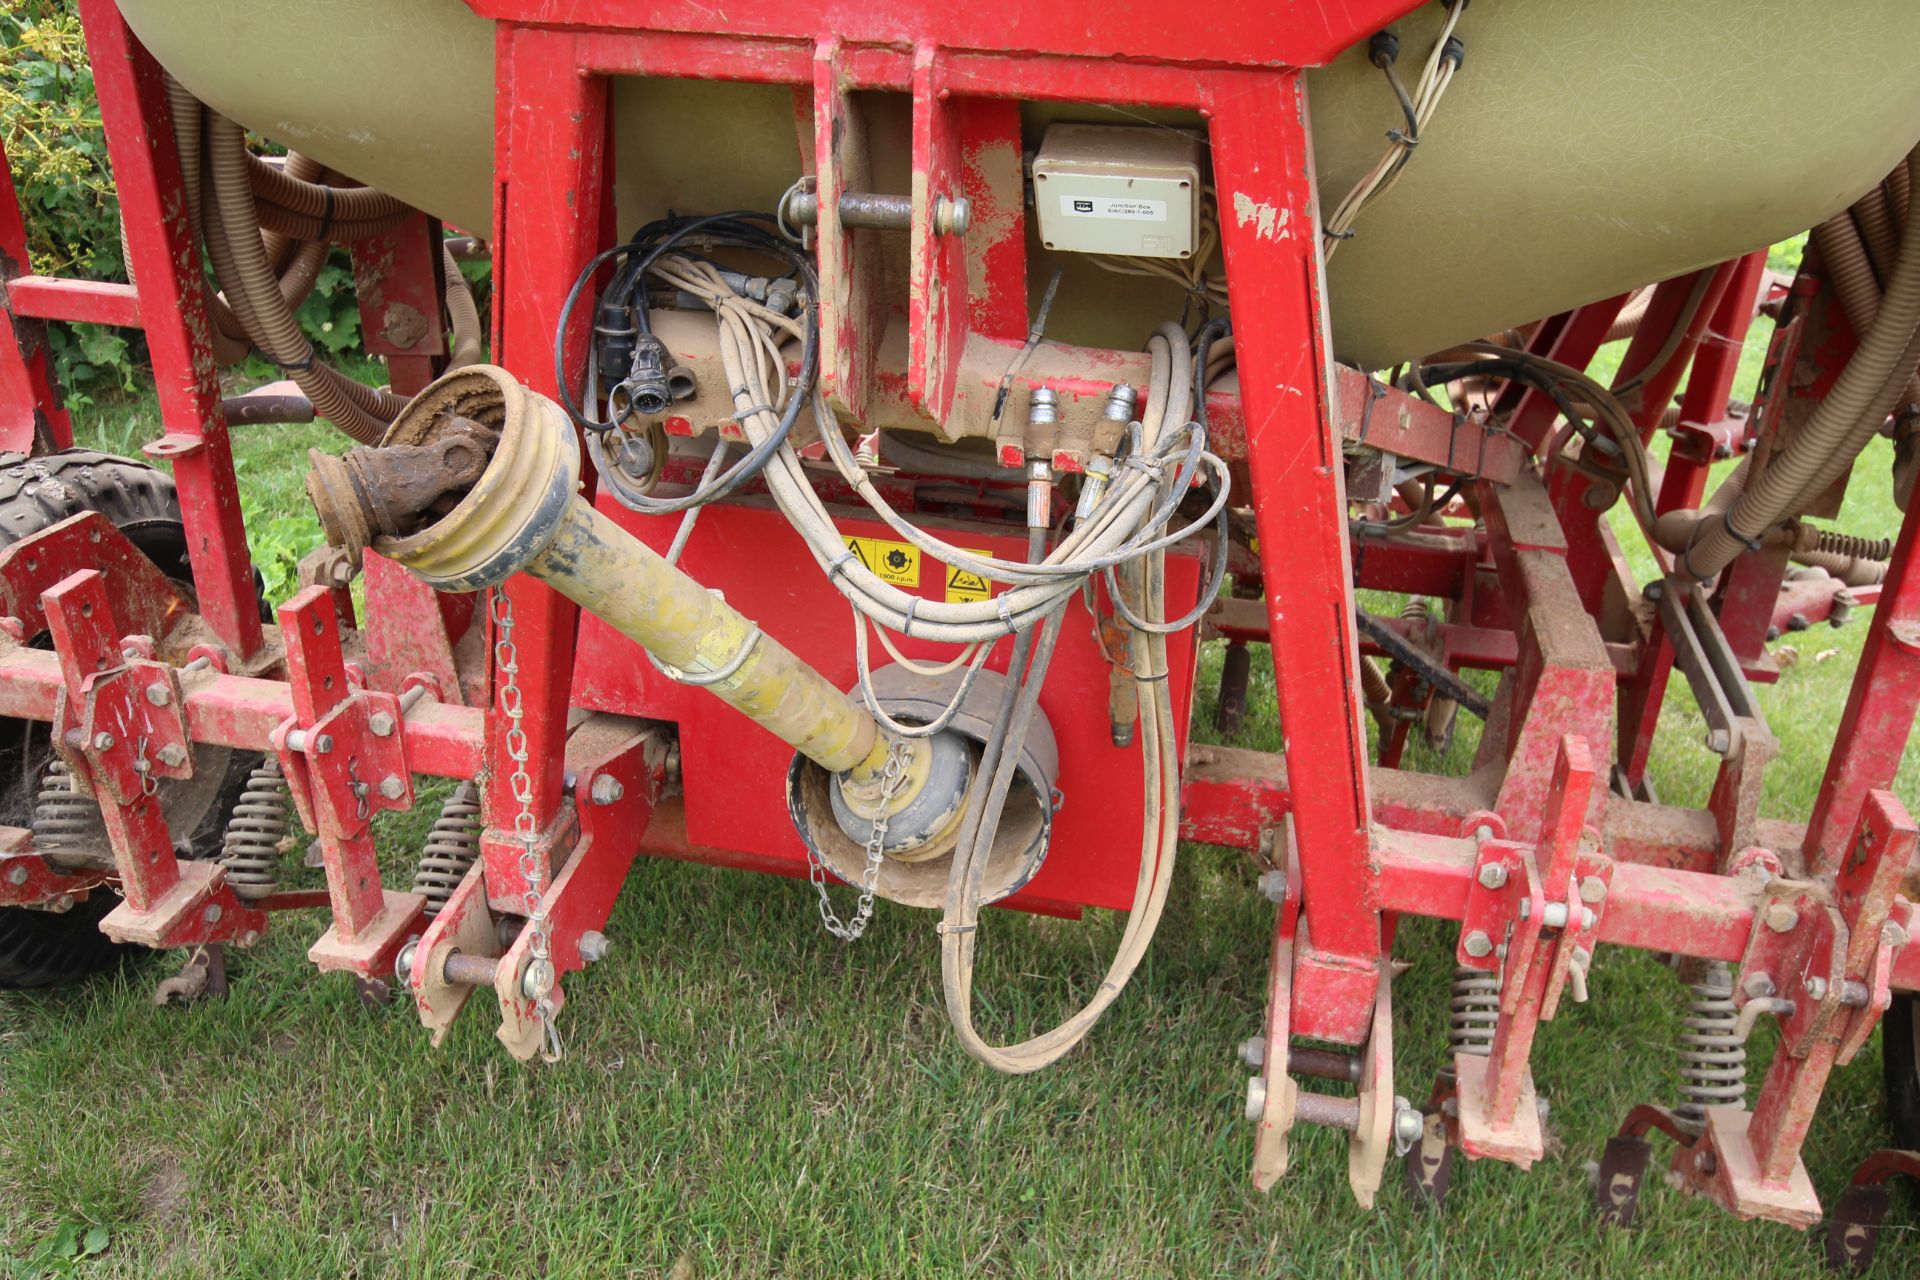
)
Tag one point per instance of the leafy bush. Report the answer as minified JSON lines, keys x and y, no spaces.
{"x":50,"y":122}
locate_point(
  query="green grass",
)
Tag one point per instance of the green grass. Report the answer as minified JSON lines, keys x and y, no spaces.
{"x":744,"y":1096}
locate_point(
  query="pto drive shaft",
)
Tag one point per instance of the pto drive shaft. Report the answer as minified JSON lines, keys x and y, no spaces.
{"x":415,"y":499}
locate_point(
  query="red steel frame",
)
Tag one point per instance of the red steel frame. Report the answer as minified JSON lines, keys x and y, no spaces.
{"x":1532,"y":849}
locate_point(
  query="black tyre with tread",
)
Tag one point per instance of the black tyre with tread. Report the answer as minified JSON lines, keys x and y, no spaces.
{"x":40,"y":948}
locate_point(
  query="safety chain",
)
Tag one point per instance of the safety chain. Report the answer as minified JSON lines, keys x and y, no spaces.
{"x":892,"y":777}
{"x":539,"y":980}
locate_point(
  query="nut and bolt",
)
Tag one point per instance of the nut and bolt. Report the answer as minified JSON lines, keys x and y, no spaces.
{"x":1593,"y":889}
{"x":62,"y":903}
{"x":323,"y":744}
{"x":1892,"y":934}
{"x":381,"y":723}
{"x":1493,"y":875}
{"x":1256,"y":1097}
{"x":1273,"y":886}
{"x":391,"y":787}
{"x":1408,"y":1125}
{"x":103,"y":741}
{"x":1816,"y":988}
{"x":173,"y":755}
{"x":1253,"y":1052}
{"x":159,"y":695}
{"x":951,"y":215}
{"x":1478,"y":944}
{"x":607,"y":789}
{"x":212,"y":914}
{"x":1780,"y":917}
{"x":250,"y":937}
{"x":1758,"y":986}
{"x":1555,"y":916}
{"x":17,"y":873}
{"x":594,"y":947}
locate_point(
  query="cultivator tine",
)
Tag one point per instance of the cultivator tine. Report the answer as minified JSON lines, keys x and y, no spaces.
{"x":1853,"y":1227}
{"x":119,"y":726}
{"x":344,"y":760}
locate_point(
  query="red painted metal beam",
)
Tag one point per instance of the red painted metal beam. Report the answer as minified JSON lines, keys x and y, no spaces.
{"x":75,"y":301}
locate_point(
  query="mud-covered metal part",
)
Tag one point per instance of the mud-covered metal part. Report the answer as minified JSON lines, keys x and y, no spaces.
{"x":257,"y":832}
{"x":876,"y":212}
{"x":451,"y":849}
{"x":392,"y":489}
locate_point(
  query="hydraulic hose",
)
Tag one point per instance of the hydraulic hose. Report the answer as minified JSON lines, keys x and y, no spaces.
{"x":1839,"y":429}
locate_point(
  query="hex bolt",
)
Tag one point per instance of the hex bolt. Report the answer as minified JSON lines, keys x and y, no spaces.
{"x":1273,"y":885}
{"x":1587,"y":918}
{"x":594,"y":946}
{"x":1816,"y":989}
{"x":1892,"y":934}
{"x":1758,"y":986}
{"x":212,"y":914}
{"x":323,"y":744}
{"x":159,"y":695}
{"x":1478,"y":944}
{"x":1526,"y":908}
{"x":391,"y":787}
{"x":1256,"y":1097}
{"x":62,"y":903}
{"x":17,"y":873}
{"x":1780,"y":917}
{"x":1593,"y":889}
{"x":1483,"y":832}
{"x":381,"y":724}
{"x":1253,"y":1052}
{"x":250,"y":937}
{"x":1493,"y":875}
{"x":1555,"y":916}
{"x":173,"y":755}
{"x":607,"y":789}
{"x":103,"y":741}
{"x":1408,"y":1125}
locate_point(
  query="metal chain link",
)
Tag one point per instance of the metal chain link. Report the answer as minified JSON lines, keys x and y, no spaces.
{"x":539,"y":981}
{"x":892,"y":777}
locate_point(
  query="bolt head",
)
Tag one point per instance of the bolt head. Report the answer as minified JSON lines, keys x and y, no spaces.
{"x":391,"y":787}
{"x":323,"y":744}
{"x":250,"y":937}
{"x":1493,"y":875}
{"x":594,"y":946}
{"x":1555,"y":915}
{"x":1256,"y":1098}
{"x":1893,"y":935}
{"x":213,"y":913}
{"x":103,"y":741}
{"x":1758,"y":986}
{"x":403,"y":963}
{"x":159,"y":695}
{"x":62,"y":903}
{"x":1253,"y":1051}
{"x":1408,"y":1125}
{"x":1816,"y":989}
{"x":607,"y":789}
{"x":17,"y":874}
{"x":1587,"y":918}
{"x":173,"y":755}
{"x":381,"y":724}
{"x":1780,"y":917}
{"x":1273,"y":886}
{"x":1478,"y":944}
{"x":1593,"y":889}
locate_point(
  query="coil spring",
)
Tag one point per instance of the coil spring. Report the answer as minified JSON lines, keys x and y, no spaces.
{"x":257,"y":832}
{"x":1475,"y":1010}
{"x":1847,"y":544}
{"x":1713,"y":1061}
{"x":1416,"y":610}
{"x":452,"y":845}
{"x":63,"y":819}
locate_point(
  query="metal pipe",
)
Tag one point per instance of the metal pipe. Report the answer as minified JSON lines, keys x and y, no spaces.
{"x":873,"y":211}
{"x":1324,"y":1064}
{"x":1327,"y":1109}
{"x":463,"y":970}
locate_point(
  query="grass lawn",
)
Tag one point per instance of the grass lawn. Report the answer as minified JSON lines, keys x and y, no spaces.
{"x":745,"y":1096}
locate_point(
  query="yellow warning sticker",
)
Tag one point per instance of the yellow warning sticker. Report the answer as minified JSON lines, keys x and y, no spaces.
{"x":895,"y":562}
{"x":963,"y":586}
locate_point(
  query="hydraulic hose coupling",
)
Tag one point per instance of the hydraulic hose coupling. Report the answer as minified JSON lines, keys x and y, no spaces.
{"x":1043,"y":416}
{"x":512,"y":506}
{"x":1118,"y":412}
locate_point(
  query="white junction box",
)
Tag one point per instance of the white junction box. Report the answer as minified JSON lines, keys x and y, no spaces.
{"x":1118,"y":189}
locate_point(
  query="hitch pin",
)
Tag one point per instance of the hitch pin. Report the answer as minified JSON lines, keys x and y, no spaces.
{"x":297,"y":740}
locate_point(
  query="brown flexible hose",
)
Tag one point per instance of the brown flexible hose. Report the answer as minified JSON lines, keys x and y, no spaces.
{"x":463,"y":317}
